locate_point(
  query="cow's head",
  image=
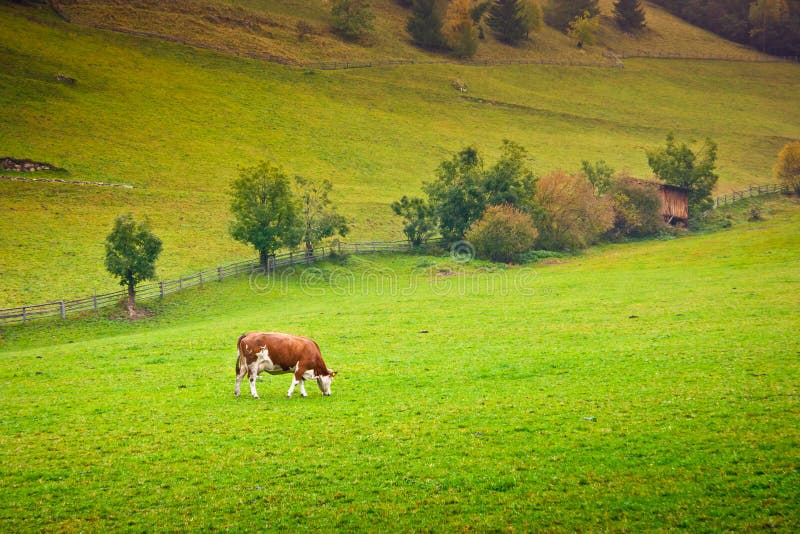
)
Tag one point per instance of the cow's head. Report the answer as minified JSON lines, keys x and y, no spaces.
{"x":324,"y":382}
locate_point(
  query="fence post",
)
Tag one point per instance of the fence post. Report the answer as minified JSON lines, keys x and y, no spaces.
{"x":24,"y":313}
{"x":180,"y":284}
{"x":161,"y":286}
{"x":200,"y":274}
{"x":94,"y":301}
{"x":219,"y":273}
{"x":63,"y":310}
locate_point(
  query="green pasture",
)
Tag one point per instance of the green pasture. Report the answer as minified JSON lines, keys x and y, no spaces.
{"x":639,"y":387}
{"x":177,"y":123}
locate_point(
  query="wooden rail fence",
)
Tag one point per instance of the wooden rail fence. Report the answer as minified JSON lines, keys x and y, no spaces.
{"x":751,"y":191}
{"x":152,"y":290}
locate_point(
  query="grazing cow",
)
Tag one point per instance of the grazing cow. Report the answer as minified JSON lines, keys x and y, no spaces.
{"x":278,"y":354}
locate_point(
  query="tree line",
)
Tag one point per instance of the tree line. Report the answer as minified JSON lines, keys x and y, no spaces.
{"x":458,"y":26}
{"x":504,"y":210}
{"x":772,"y":26}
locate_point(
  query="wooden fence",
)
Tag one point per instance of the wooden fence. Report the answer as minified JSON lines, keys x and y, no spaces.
{"x":751,"y":191}
{"x":64,"y":308}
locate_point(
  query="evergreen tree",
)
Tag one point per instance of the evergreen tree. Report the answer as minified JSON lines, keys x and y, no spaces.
{"x":629,"y":15}
{"x":425,"y":24}
{"x":508,"y":19}
{"x":559,"y":13}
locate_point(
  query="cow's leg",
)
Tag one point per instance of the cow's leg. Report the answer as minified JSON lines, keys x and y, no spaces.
{"x":297,"y":378}
{"x":291,"y":388}
{"x":303,"y":388}
{"x":241,"y":370}
{"x":253,"y":374}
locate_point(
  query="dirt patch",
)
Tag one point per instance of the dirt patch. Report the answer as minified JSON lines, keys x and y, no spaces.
{"x":27,"y":165}
{"x":552,"y":261}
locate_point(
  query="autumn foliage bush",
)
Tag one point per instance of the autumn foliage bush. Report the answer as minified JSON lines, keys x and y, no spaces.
{"x":502,"y":234}
{"x":570,"y":215}
{"x":637,"y":208}
{"x":787,"y":169}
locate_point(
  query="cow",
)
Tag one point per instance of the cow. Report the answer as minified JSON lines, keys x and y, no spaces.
{"x":277,"y":354}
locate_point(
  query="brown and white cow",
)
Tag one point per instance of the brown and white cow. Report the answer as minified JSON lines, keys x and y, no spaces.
{"x":278,"y":354}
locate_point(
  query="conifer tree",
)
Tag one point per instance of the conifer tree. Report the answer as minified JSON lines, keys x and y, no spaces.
{"x":629,"y":15}
{"x":508,"y":19}
{"x":425,"y":24}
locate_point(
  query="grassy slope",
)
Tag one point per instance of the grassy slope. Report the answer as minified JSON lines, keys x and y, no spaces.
{"x":267,"y":29}
{"x":640,"y":387}
{"x":177,"y":122}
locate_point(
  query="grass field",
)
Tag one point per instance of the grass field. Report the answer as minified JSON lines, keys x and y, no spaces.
{"x":646,"y":386}
{"x":178,"y":122}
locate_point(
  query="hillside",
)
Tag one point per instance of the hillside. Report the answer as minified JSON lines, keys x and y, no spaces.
{"x":642,"y":387}
{"x":176,"y":122}
{"x":267,"y":29}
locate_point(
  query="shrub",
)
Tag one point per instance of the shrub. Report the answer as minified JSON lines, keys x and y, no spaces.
{"x":787,"y":169}
{"x":502,"y":234}
{"x":352,"y":19}
{"x":637,"y":208}
{"x":569,"y":215}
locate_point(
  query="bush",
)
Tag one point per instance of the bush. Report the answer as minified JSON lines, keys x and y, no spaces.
{"x":570,"y":216}
{"x":787,"y":169}
{"x":532,"y":256}
{"x":502,"y":234}
{"x":637,"y":208}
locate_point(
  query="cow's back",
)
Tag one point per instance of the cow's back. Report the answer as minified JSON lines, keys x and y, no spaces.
{"x":285,"y":350}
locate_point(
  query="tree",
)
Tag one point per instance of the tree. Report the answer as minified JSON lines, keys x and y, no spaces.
{"x":509,"y":20}
{"x":419,"y":222}
{"x":584,"y":28}
{"x":559,"y":13}
{"x":787,"y":168}
{"x":425,"y":24}
{"x":459,"y":29}
{"x":599,"y":175}
{"x":510,"y":181}
{"x":767,"y":19}
{"x":629,"y":15}
{"x":131,"y":253}
{"x":352,"y":19}
{"x":533,"y":16}
{"x":571,"y":217}
{"x":679,"y":165}
{"x":457,"y":195}
{"x":320,"y":220}
{"x":265,"y":212}
{"x":502,"y":234}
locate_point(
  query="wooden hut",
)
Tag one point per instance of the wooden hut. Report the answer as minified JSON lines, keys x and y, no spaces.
{"x":674,"y":201}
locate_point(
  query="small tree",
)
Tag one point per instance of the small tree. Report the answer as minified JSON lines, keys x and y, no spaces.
{"x":629,"y":15}
{"x":502,"y":234}
{"x":352,"y":19}
{"x":599,"y":175}
{"x":571,"y":217}
{"x":584,"y":28}
{"x":787,"y":168}
{"x":425,"y":24}
{"x":265,"y":212}
{"x":510,"y":180}
{"x":419,"y":222}
{"x":131,"y":253}
{"x":457,"y":195}
{"x":459,"y":29}
{"x":320,"y":220}
{"x":533,"y":17}
{"x":509,"y":20}
{"x":680,"y":165}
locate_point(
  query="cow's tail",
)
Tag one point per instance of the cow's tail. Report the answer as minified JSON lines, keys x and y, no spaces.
{"x":239,"y":354}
